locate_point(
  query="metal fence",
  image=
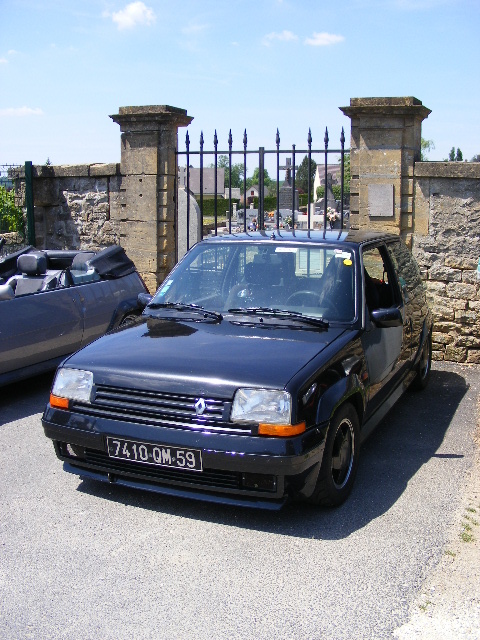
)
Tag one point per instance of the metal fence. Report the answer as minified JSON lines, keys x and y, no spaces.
{"x":287,"y":155}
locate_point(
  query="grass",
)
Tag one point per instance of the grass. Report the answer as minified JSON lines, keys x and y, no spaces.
{"x":469,"y":522}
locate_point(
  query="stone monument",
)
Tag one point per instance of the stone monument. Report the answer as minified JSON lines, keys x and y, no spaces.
{"x":285,"y":191}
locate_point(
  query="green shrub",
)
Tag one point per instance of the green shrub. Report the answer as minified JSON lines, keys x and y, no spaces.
{"x":209,"y":207}
{"x":11,"y":216}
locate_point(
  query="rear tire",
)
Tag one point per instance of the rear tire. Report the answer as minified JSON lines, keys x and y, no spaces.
{"x":340,"y":459}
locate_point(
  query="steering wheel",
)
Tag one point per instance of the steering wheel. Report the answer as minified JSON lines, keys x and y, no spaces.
{"x":305,"y":298}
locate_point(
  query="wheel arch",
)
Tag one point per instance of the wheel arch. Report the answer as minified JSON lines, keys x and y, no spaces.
{"x":345,"y":390}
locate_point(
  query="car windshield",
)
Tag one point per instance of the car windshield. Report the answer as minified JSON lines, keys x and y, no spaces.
{"x":313,"y":280}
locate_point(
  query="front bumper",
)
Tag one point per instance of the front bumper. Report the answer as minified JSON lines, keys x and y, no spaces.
{"x":237,"y":469}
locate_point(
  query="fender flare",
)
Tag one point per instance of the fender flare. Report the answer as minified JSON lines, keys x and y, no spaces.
{"x":346,"y":389}
{"x":423,"y":337}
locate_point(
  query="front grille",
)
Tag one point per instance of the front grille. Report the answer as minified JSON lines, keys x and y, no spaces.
{"x":214,"y":478}
{"x":162,"y":409}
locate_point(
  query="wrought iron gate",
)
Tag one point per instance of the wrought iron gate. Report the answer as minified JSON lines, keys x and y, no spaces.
{"x":290,"y":154}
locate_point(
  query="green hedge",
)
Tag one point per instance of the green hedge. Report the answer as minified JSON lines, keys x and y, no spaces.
{"x":209,"y":207}
{"x":11,"y":216}
{"x":337,"y":191}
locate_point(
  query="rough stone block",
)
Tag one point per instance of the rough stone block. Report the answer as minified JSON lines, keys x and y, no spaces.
{"x":461,"y":290}
{"x":455,"y":354}
{"x":445,"y":274}
{"x":442,"y":338}
{"x":473,"y":356}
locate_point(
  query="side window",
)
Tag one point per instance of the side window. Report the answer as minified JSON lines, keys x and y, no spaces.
{"x":409,"y":277}
{"x":379,"y":288}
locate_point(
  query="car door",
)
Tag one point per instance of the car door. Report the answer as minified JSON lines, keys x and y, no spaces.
{"x":387,"y":349}
{"x":39,"y":326}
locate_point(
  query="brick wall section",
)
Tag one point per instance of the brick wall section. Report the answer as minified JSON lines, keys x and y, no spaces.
{"x":447,"y":247}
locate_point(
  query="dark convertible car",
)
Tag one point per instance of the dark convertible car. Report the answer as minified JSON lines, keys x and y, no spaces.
{"x":255,"y":372}
{"x":54,"y":302}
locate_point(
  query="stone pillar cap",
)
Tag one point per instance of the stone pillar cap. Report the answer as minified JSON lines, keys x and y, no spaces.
{"x":401,"y":106}
{"x":152,"y":114}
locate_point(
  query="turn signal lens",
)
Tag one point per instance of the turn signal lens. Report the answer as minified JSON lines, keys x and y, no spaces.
{"x":281,"y":430}
{"x":58,"y":403}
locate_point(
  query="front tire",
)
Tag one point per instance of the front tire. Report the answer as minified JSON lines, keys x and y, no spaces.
{"x":340,"y":459}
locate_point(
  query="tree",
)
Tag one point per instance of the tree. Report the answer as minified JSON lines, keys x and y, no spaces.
{"x":11,"y":216}
{"x":476,"y":158}
{"x":255,"y":179}
{"x":237,"y":172}
{"x":426,"y":145}
{"x":455,"y":157}
{"x":301,"y":176}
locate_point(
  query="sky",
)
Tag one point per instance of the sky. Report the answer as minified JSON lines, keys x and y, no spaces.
{"x":254,"y":65}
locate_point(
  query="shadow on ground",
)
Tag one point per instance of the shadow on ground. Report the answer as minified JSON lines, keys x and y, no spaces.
{"x":25,"y":398}
{"x":407,"y":438}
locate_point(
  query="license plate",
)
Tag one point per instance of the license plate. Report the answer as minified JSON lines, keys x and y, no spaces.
{"x":156,"y":454}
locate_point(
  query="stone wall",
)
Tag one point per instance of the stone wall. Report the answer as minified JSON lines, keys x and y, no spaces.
{"x":447,"y":247}
{"x":77,"y":206}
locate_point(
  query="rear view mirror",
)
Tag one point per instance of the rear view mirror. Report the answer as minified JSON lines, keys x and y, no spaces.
{"x":143,"y":299}
{"x":390,"y":317}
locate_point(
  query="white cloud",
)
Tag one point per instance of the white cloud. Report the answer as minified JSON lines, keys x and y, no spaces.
{"x":20,"y":111}
{"x":134,"y":14}
{"x":10,"y":52}
{"x":323,"y":39}
{"x":284,"y":36}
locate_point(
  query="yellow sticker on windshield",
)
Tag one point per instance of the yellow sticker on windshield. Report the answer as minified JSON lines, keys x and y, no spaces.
{"x":347,"y":262}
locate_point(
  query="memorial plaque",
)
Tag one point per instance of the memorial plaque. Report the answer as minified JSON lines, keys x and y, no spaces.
{"x":380,"y":201}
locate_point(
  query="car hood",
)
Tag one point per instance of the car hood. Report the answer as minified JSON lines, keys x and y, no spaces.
{"x":202,"y":357}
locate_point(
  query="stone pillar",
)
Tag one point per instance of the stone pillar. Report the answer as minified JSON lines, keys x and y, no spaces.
{"x":147,"y":197}
{"x":385,"y":143}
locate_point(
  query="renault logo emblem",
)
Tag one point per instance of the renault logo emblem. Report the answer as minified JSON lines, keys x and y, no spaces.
{"x":200,"y":407}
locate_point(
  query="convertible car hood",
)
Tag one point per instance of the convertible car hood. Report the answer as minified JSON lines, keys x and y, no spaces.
{"x":202,"y":357}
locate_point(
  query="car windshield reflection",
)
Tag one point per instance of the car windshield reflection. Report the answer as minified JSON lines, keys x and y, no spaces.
{"x":307,"y":281}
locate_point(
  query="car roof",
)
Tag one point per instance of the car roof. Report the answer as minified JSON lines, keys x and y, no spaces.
{"x":357,"y":237}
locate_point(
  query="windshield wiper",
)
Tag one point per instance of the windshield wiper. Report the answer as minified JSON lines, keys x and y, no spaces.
{"x":280,"y":313}
{"x":182,"y":306}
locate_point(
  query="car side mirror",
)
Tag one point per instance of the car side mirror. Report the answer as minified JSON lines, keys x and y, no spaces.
{"x":143,"y":299}
{"x":391,"y":317}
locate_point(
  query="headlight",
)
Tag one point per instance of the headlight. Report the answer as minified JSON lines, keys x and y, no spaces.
{"x":71,"y":384}
{"x":262,"y":405}
{"x":272,"y":410}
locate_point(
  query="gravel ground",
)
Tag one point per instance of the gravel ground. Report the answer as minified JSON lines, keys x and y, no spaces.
{"x":448,"y":606}
{"x":85,"y":561}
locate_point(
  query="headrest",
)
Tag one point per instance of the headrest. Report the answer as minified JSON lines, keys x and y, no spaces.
{"x":6,"y":292}
{"x":32,"y":264}
{"x":264,"y":270}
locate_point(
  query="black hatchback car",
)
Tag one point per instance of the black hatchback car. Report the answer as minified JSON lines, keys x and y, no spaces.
{"x":255,"y":372}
